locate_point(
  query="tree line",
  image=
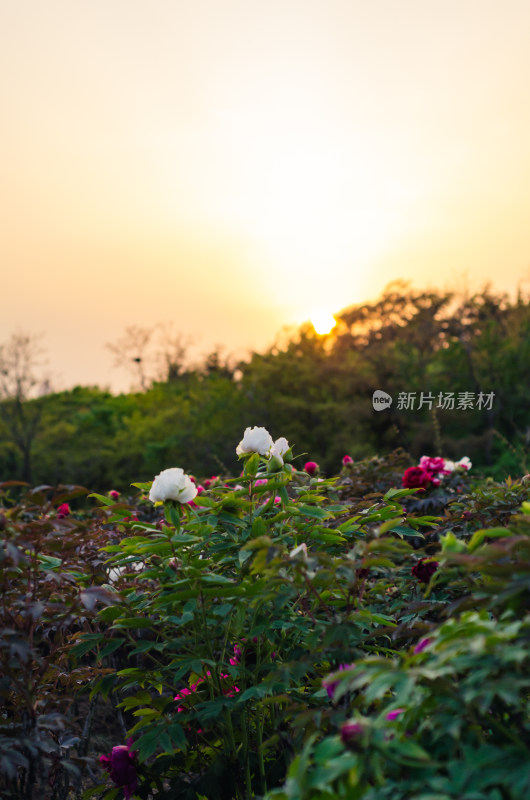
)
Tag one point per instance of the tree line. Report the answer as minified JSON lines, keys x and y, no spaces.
{"x":455,"y":367}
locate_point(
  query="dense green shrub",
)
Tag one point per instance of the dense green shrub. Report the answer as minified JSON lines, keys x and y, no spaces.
{"x":284,"y":636}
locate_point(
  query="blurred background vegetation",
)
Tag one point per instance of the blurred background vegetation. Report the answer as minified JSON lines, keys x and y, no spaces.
{"x":315,"y":390}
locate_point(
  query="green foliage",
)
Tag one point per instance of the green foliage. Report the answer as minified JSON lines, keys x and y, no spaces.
{"x":284,"y":636}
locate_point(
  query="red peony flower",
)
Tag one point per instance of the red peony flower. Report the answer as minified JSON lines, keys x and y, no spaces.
{"x":311,"y":467}
{"x":416,"y":478}
{"x":63,"y":511}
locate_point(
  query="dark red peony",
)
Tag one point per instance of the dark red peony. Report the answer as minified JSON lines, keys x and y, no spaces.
{"x":424,"y":569}
{"x":416,"y":478}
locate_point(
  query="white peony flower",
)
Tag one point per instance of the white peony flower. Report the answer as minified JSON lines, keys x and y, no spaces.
{"x":449,"y":466}
{"x":172,"y":484}
{"x":464,"y":463}
{"x":255,"y":440}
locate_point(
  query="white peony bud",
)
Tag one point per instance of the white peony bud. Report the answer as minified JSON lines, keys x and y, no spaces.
{"x":172,"y":484}
{"x":302,"y":548}
{"x":279,"y":448}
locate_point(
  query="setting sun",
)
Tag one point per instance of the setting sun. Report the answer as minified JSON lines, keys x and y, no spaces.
{"x":323,"y":322}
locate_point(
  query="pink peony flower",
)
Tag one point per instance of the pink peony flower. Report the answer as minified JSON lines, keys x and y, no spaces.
{"x":311,"y":467}
{"x":433,"y":465}
{"x":236,"y":658}
{"x":261,"y":482}
{"x":200,"y":489}
{"x":347,"y":460}
{"x":415,"y":478}
{"x":121,"y":766}
{"x":114,"y":495}
{"x":63,"y":511}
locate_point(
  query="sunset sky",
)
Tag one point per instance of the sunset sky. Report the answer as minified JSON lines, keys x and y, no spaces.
{"x":234,"y":166}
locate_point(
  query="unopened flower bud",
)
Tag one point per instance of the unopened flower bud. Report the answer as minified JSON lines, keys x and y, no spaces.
{"x":351,"y":732}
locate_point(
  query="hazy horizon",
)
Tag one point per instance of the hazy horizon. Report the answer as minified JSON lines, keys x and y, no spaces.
{"x":233,"y":167}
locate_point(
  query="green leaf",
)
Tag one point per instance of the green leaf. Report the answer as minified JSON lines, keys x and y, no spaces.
{"x":107,"y":501}
{"x":111,"y":647}
{"x":404,"y":530}
{"x":259,"y":528}
{"x":133,"y":622}
{"x":312,"y":511}
{"x":84,"y":647}
{"x":251,"y":465}
{"x":396,"y":494}
{"x":487,"y":533}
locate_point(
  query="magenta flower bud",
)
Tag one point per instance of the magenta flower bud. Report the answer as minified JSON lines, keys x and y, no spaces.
{"x":311,"y":467}
{"x":113,"y":494}
{"x":422,"y":644}
{"x":395,"y":713}
{"x":351,"y":731}
{"x":63,"y":511}
{"x":347,"y":460}
{"x":330,"y":686}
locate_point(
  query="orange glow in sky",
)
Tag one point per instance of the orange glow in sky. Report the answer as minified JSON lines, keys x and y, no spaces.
{"x":228,"y":167}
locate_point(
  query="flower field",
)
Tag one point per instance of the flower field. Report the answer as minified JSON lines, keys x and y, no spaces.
{"x":279,"y":634}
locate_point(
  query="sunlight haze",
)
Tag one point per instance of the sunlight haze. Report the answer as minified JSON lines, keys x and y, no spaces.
{"x":231,"y":167}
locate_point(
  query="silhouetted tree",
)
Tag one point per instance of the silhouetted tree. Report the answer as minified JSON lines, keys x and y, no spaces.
{"x":20,"y":380}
